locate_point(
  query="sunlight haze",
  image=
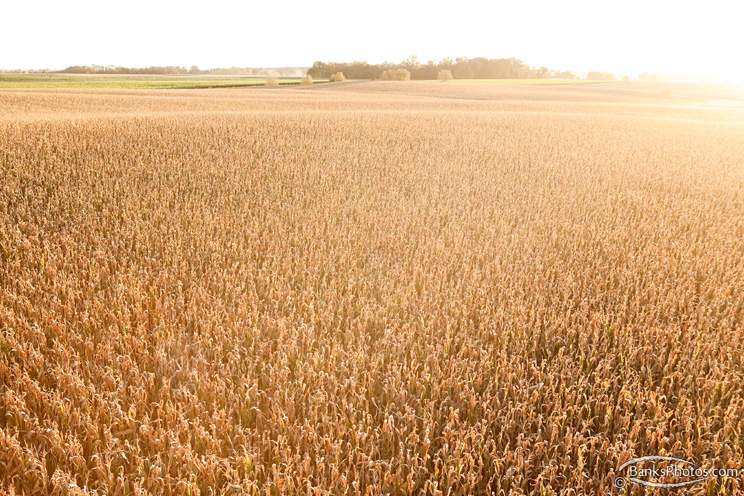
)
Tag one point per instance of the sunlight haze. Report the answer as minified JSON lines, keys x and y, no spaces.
{"x":626,"y":38}
{"x":371,"y":248}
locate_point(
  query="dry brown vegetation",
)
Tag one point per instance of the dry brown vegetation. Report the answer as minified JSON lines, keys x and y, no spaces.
{"x":368,"y":288}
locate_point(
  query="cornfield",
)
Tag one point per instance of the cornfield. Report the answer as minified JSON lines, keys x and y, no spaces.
{"x":368,"y":289}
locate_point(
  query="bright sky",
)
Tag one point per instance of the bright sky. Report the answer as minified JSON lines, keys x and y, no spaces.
{"x":627,"y":37}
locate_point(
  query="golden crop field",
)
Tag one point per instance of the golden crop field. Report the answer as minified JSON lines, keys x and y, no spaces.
{"x":369,"y":288}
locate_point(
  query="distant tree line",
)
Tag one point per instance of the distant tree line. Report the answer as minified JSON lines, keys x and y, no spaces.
{"x":601,"y":76}
{"x":411,"y":68}
{"x":460,"y":68}
{"x":235,"y":71}
{"x":656,"y":76}
{"x":25,"y":71}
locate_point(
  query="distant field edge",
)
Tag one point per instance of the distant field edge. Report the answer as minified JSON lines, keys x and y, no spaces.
{"x":533,"y":81}
{"x":53,"y":80}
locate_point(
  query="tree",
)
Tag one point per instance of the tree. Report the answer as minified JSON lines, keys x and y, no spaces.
{"x":411,"y":63}
{"x":427,"y":71}
{"x":306,"y":79}
{"x":542,"y":73}
{"x":319,"y":70}
{"x":396,"y":75}
{"x":444,"y":75}
{"x":337,"y":78}
{"x":462,"y":69}
{"x":562,"y":75}
{"x":402,"y":75}
{"x":601,"y":76}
